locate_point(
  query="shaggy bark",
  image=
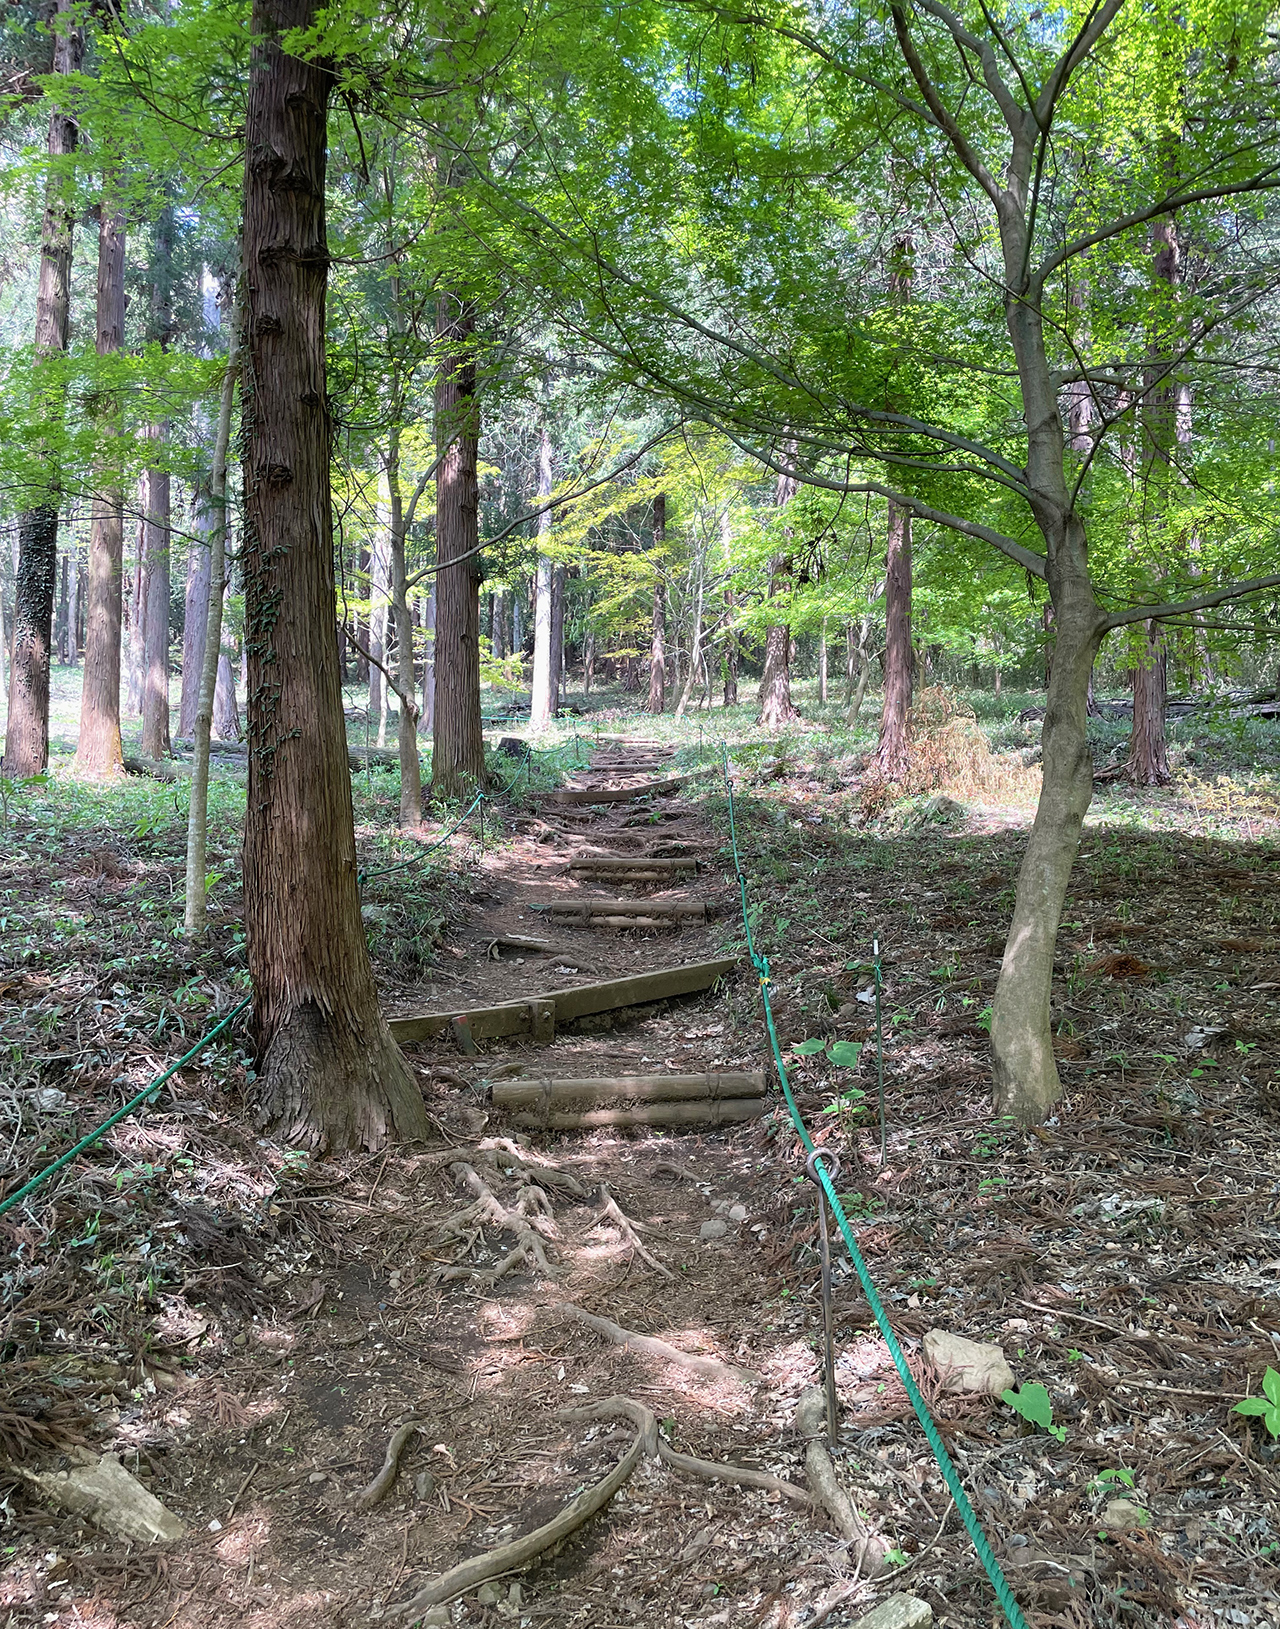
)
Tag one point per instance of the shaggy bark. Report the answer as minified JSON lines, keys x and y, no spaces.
{"x":99,"y":752}
{"x":1148,"y":760}
{"x":155,"y":599}
{"x":329,"y":1073}
{"x":457,"y":760}
{"x":407,"y":736}
{"x":26,"y":745}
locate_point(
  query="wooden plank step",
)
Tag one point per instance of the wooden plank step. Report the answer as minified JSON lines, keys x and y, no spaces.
{"x":538,"y":1015}
{"x":543,"y":1093}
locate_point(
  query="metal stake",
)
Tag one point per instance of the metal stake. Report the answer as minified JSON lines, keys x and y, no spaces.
{"x":828,"y":1318}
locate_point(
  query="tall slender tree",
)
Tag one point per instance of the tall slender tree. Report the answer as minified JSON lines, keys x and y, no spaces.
{"x":26,"y":746}
{"x":99,"y":751}
{"x":776,"y":706}
{"x":543,"y":696}
{"x":657,"y":637}
{"x":457,"y":759}
{"x":329,"y":1073}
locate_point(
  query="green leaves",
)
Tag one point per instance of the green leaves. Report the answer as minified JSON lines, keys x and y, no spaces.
{"x":807,"y":1049}
{"x":844,"y":1054}
{"x":1034,"y":1404}
{"x":1267,"y":1407}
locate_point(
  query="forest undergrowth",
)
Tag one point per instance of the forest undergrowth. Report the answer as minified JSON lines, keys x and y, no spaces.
{"x":246,"y":1327}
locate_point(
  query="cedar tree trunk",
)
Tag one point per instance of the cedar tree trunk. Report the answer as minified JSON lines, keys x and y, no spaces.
{"x":99,"y":752}
{"x":329,"y":1073}
{"x":26,"y":745}
{"x":543,"y":698}
{"x":1148,"y":760}
{"x":457,"y":759}
{"x":407,"y":736}
{"x":155,"y":590}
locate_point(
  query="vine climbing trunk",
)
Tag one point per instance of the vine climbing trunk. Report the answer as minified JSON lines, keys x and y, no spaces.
{"x":26,"y":744}
{"x":893,"y":751}
{"x":457,"y":759}
{"x":329,"y":1073}
{"x":99,"y":752}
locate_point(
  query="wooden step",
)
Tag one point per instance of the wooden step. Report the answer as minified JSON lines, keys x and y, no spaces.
{"x":538,"y":1015}
{"x":711,"y":1112}
{"x":573,"y":908}
{"x":613,"y":794}
{"x":544,"y":1093}
{"x":620,"y":864}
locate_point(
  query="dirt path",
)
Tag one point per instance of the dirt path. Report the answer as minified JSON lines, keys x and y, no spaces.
{"x":1116,"y":1258}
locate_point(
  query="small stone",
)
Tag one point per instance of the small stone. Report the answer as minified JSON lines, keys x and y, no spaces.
{"x":738,"y":1213}
{"x":1122,"y":1514}
{"x":435,"y":1617}
{"x":316,"y":1477}
{"x":898,"y":1612}
{"x":713,"y":1230}
{"x":487,"y":1595}
{"x":515,"y":1595}
{"x":967,"y":1366}
{"x":240,"y":1340}
{"x":424,"y":1485}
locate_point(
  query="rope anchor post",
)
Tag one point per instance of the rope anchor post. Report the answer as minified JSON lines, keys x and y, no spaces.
{"x":827,"y":1157}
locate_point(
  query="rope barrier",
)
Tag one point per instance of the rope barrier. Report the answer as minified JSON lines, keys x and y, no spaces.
{"x":121,"y":1114}
{"x":999,"y":1583}
{"x":476,"y":803}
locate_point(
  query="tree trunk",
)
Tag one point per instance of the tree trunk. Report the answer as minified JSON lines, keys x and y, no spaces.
{"x":195,"y":612}
{"x":558,"y":579}
{"x":379,"y":576}
{"x":427,"y":722}
{"x":695,"y":645}
{"x":26,"y":745}
{"x":195,"y":913}
{"x":99,"y":752}
{"x":1148,"y":760}
{"x":776,"y":709}
{"x":226,"y":711}
{"x":543,"y":698}
{"x":329,"y":1074}
{"x":73,"y":625}
{"x":1025,"y":1075}
{"x":155,"y":591}
{"x":730,"y":655}
{"x":822,"y":664}
{"x":457,"y":759}
{"x":893,"y":752}
{"x":657,"y":701}
{"x":407,"y":738}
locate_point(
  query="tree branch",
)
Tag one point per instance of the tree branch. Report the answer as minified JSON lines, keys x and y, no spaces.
{"x":1160,"y":613}
{"x":942,"y":114}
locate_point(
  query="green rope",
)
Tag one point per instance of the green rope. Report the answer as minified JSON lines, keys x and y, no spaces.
{"x":120,"y":1114}
{"x":999,"y":1582}
{"x":417,"y":859}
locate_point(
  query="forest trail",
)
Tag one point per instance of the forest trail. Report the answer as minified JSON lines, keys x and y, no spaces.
{"x":457,"y":1297}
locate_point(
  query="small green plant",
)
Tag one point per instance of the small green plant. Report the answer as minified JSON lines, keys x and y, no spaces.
{"x":1266,"y":1407}
{"x":1112,"y":1478}
{"x":1034,"y":1404}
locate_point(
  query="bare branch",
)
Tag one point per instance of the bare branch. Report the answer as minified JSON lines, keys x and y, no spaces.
{"x":942,"y":115}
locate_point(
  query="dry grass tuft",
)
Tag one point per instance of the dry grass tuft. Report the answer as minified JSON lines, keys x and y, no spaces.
{"x":949,"y":753}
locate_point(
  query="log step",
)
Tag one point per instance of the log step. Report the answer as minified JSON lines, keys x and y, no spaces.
{"x":538,"y":1015}
{"x":712,"y":1112}
{"x":545,"y":1094}
{"x":620,"y":864}
{"x":675,"y":910}
{"x":615,"y":794}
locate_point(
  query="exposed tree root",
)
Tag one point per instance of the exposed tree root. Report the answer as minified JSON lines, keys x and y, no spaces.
{"x":488,"y":1210}
{"x":526,"y":1162}
{"x":382,"y":1484}
{"x":811,"y":1422}
{"x":629,"y":1230}
{"x":645,"y":1422}
{"x":630,"y":1341}
{"x":478,"y":1569}
{"x":681,"y":1173}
